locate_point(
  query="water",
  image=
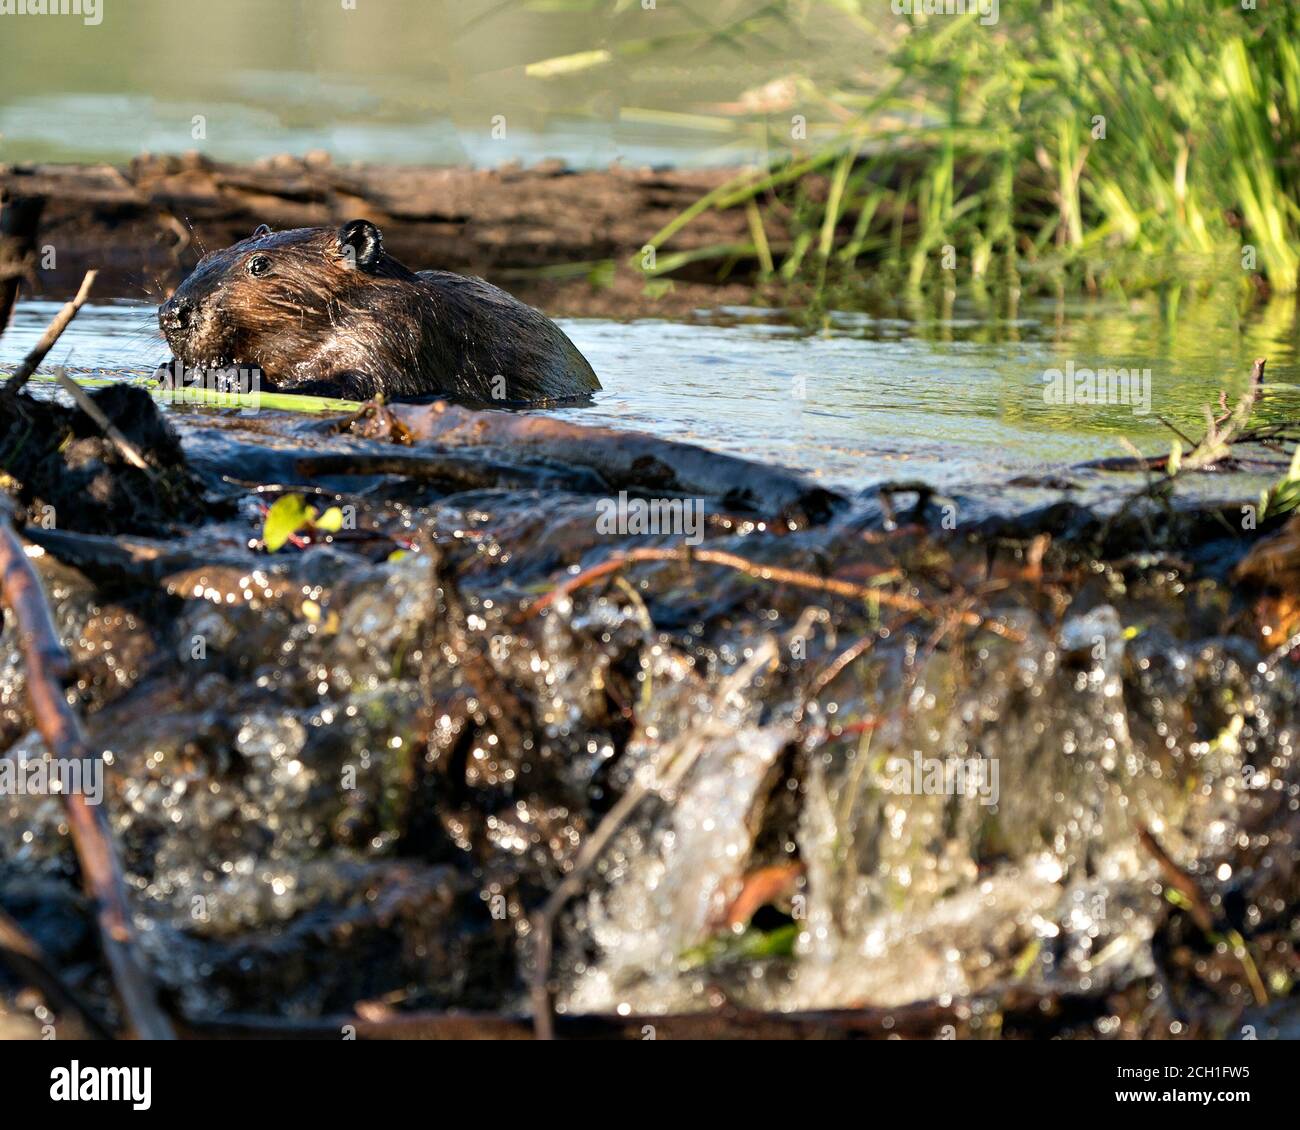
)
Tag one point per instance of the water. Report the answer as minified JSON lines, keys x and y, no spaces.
{"x":415,"y":81}
{"x":958,"y":403}
{"x":356,"y":789}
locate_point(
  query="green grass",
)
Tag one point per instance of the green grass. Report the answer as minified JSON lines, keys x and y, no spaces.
{"x":1075,"y":145}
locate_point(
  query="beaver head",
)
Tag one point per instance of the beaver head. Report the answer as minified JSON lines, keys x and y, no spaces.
{"x":300,"y":306}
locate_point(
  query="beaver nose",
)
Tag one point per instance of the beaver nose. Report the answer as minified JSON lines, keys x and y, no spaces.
{"x":176,"y":313}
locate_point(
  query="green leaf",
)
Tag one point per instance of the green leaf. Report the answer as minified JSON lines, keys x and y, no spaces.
{"x":751,"y":945}
{"x":288,"y":514}
{"x":331,"y":521}
{"x":1285,"y":495}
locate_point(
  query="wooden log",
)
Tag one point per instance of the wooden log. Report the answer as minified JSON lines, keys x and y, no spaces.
{"x":635,"y":461}
{"x":538,"y":231}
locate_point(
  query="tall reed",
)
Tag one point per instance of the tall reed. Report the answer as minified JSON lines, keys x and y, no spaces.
{"x":1073,"y":143}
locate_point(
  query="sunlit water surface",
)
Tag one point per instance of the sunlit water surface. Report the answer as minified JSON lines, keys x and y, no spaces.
{"x":959,"y":403}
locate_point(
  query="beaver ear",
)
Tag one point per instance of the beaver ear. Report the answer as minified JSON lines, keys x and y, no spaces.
{"x":361,"y":242}
{"x":262,"y":229}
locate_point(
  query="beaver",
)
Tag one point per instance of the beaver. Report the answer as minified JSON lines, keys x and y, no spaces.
{"x":331,"y":313}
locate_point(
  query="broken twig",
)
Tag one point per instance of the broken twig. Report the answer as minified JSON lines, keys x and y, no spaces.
{"x":128,"y":450}
{"x":51,"y":335}
{"x":777,"y":573}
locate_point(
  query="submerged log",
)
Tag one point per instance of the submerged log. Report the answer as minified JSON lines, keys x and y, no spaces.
{"x":624,"y":460}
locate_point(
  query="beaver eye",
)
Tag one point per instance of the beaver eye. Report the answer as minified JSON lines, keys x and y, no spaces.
{"x":259,"y":265}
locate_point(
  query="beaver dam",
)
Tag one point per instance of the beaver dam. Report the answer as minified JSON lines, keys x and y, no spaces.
{"x":430,"y":721}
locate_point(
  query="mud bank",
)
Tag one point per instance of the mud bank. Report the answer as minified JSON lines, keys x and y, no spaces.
{"x":540,"y":232}
{"x":1031,"y":776}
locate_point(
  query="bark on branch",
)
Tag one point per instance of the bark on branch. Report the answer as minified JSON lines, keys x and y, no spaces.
{"x":60,"y":728}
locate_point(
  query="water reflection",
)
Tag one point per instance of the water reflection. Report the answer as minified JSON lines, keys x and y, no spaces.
{"x":412,"y":81}
{"x":870,"y":398}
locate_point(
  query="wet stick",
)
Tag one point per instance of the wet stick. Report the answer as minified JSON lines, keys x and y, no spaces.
{"x":1198,"y":907}
{"x":127,"y":449}
{"x":52,"y":334}
{"x":774,"y":573}
{"x":60,"y":729}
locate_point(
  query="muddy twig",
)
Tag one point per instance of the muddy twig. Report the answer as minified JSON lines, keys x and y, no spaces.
{"x":51,"y":335}
{"x":1198,"y":907}
{"x":47,"y":667}
{"x":776,"y":573}
{"x":128,"y":450}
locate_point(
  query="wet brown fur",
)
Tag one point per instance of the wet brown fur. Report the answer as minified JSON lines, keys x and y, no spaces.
{"x":336,"y":315}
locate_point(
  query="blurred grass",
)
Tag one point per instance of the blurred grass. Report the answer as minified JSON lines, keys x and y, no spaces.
{"x":1121,"y":145}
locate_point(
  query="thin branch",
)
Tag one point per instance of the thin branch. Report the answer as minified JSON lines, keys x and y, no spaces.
{"x":60,"y":728}
{"x":1178,"y":432}
{"x":83,"y":401}
{"x":52,"y":334}
{"x":776,"y":573}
